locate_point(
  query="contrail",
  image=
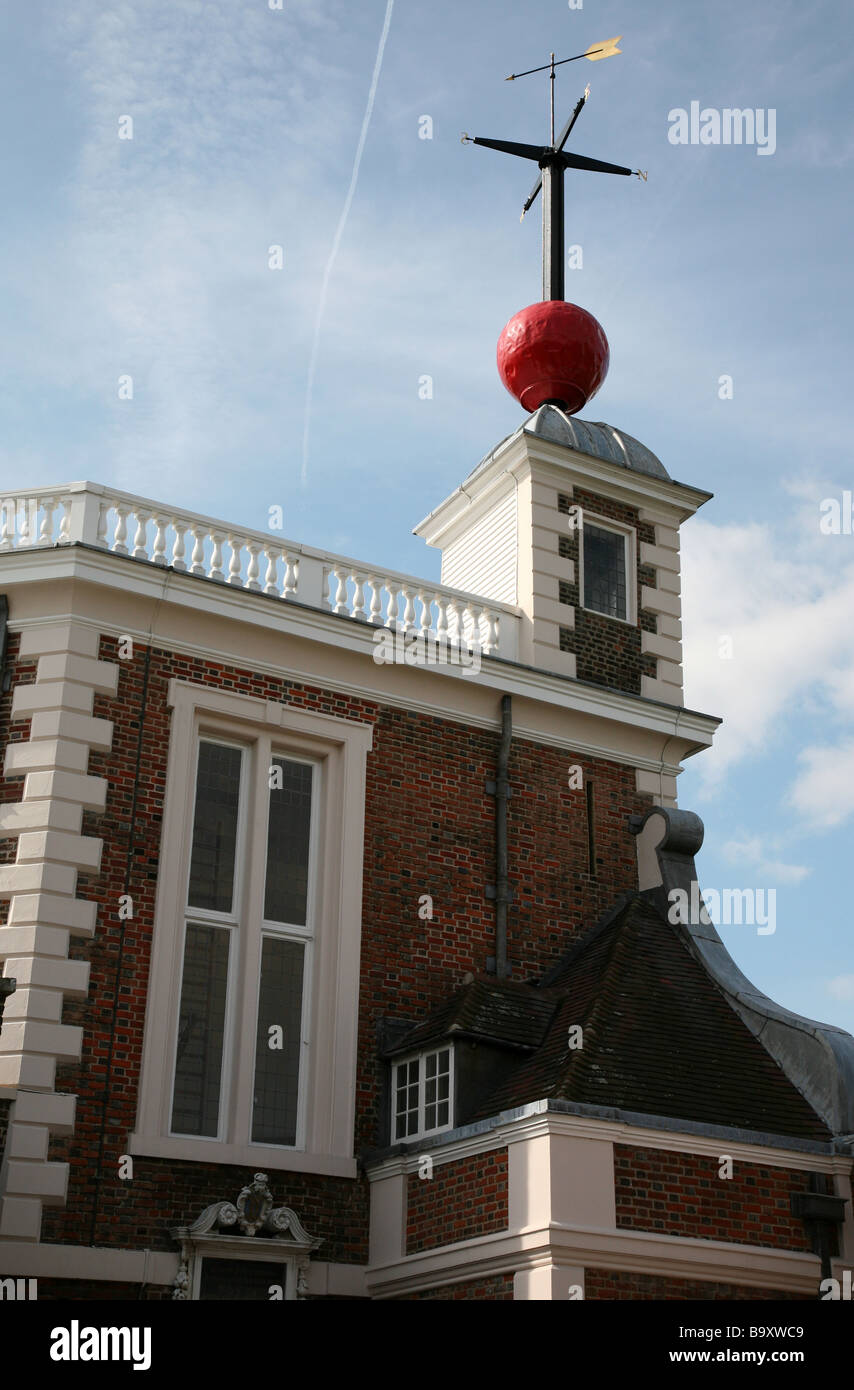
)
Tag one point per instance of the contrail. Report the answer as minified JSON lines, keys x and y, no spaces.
{"x":339,"y":232}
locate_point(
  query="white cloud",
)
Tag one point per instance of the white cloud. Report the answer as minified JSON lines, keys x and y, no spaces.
{"x":752,"y":853}
{"x":823,"y":789}
{"x":841,"y":987}
{"x":782,"y":594}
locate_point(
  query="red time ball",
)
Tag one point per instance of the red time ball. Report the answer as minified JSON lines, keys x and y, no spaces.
{"x":553,"y":352}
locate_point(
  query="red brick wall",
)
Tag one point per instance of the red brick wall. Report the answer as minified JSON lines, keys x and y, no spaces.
{"x":616,"y":1284}
{"x":460,"y":1201}
{"x":607,"y":652}
{"x":429,"y":829}
{"x":499,"y":1286}
{"x":681,"y":1194}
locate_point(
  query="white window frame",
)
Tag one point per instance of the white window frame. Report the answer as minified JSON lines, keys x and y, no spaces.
{"x":245,"y":945}
{"x":338,"y":748}
{"x":242,"y":1248}
{"x":421,"y":1059}
{"x":629,"y":535}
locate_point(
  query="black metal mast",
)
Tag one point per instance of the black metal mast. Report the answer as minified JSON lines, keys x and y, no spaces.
{"x":553,"y":160}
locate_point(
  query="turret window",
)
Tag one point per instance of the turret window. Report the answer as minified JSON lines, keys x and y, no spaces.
{"x":606,"y":571}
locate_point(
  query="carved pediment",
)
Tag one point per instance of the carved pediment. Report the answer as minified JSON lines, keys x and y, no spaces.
{"x":251,"y":1222}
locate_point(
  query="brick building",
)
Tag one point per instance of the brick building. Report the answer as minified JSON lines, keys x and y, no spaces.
{"x":363,"y":885}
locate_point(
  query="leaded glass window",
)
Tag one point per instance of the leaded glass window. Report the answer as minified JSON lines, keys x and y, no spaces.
{"x":605,"y":589}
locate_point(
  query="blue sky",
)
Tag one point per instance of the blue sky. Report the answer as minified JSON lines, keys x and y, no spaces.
{"x":150,"y":257}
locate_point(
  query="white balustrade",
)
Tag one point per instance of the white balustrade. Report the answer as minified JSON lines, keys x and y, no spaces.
{"x":124,"y":525}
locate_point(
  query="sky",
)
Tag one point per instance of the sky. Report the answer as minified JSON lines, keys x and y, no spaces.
{"x":291,"y":378}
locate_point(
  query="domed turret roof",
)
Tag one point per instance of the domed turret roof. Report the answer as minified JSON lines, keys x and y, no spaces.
{"x":593,"y":438}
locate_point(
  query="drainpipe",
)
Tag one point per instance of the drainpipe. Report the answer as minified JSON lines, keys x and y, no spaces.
{"x":500,"y":891}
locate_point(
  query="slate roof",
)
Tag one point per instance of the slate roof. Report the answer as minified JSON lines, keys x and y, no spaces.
{"x":659,"y":1036}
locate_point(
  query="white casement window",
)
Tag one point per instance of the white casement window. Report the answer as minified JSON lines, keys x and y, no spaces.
{"x":237,"y":981}
{"x":607,"y":569}
{"x":423,"y":1094}
{"x":251,"y":1015}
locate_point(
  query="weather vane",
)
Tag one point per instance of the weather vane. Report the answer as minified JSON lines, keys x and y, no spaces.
{"x":555,"y":353}
{"x":553,"y":159}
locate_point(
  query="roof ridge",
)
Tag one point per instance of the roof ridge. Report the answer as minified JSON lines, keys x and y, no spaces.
{"x":583,"y":942}
{"x":574,"y":1069}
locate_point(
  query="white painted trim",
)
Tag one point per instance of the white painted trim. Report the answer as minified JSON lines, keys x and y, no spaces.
{"x":256,"y":1156}
{"x":317,"y":625}
{"x":535,"y":1119}
{"x":89,"y":1262}
{"x":155,"y":1267}
{"x":526,"y":452}
{"x":637,"y":1252}
{"x":342,"y":745}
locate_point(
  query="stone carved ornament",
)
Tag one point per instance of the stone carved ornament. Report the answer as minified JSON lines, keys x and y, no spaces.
{"x":253,"y":1212}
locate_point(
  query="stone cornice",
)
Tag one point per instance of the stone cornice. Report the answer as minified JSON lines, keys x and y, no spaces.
{"x":691,"y":730}
{"x":636,"y":1252}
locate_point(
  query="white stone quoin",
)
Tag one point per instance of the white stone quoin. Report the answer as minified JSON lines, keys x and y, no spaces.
{"x":43,"y":909}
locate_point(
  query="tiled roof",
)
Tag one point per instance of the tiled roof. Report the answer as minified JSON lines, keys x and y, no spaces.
{"x":659,"y":1037}
{"x":497,"y":1011}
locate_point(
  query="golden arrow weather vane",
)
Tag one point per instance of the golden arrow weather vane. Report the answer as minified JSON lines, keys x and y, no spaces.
{"x":605,"y":48}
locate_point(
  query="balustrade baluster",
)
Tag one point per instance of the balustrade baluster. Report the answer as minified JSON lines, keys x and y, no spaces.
{"x":121,"y":532}
{"x":65,"y":523}
{"x":375,"y":615}
{"x":216,"y":558}
{"x":492,"y":620}
{"x":158,"y":552}
{"x":200,"y":535}
{"x":426,"y":600}
{"x":7,"y":536}
{"x":178,"y":551}
{"x":289,"y":588}
{"x":253,"y":568}
{"x":46,"y":528}
{"x":359,"y":611}
{"x":234,"y":566}
{"x":140,"y":540}
{"x":409,"y":610}
{"x":101,"y":533}
{"x":271,"y":578}
{"x":341,"y":604}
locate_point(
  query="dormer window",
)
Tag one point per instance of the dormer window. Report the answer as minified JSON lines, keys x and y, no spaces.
{"x":422,"y":1088}
{"x":606,"y":569}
